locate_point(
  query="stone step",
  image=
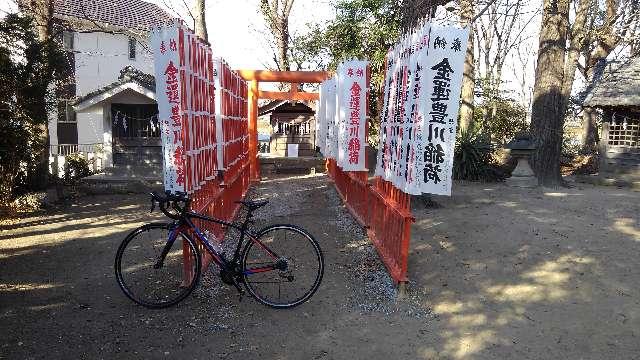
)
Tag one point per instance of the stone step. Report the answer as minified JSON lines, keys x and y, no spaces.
{"x":137,"y":159}
{"x":145,"y":172}
{"x":138,"y":149}
{"x":286,"y":165}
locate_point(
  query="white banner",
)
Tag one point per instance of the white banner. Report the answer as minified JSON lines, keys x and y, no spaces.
{"x":417,"y":54}
{"x":420,"y":108}
{"x":168,"y":84}
{"x":330,"y":115}
{"x":383,"y":163}
{"x":321,"y":119}
{"x":351,"y":94}
{"x":443,"y":84}
{"x":218,"y":67}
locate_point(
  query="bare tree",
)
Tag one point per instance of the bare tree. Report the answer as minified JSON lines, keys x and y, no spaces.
{"x":276,"y":15}
{"x":560,"y":48}
{"x":468,"y":76}
{"x":522,"y":58}
{"x":199,"y":20}
{"x":416,"y":10}
{"x":500,"y":31}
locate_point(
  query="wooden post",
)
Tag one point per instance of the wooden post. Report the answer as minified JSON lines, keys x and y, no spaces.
{"x":604,"y":147}
{"x":254,"y":165}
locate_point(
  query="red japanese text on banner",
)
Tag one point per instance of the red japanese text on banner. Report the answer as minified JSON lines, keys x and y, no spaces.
{"x":185,"y":95}
{"x":351,"y":90}
{"x":168,"y":95}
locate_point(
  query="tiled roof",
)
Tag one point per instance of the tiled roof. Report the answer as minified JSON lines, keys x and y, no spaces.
{"x":127,"y":75}
{"x":132,"y":14}
{"x":618,"y":86}
{"x":303,"y":106}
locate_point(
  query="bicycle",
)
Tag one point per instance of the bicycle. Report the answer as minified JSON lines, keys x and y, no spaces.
{"x":158,"y":264}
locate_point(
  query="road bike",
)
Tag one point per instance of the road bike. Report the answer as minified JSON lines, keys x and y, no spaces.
{"x":158,"y":264}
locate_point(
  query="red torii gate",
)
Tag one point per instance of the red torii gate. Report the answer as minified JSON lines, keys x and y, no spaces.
{"x":255,"y":77}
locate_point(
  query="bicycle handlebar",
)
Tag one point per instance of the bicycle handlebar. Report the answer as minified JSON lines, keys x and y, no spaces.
{"x":168,"y":201}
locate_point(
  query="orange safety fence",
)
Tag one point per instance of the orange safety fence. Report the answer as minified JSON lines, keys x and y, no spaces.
{"x":219,"y":200}
{"x":216,"y":196}
{"x":383,"y":210}
{"x":389,"y":226}
{"x":352,"y":188}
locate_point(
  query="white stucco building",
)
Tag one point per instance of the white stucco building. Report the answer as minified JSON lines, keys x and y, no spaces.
{"x":110,"y":103}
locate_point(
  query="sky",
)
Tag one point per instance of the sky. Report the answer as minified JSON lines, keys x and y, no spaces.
{"x":237,"y":30}
{"x":237,"y":33}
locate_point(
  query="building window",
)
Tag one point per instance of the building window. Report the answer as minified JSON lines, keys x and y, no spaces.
{"x":132,"y":48}
{"x":67,"y":40}
{"x":66,"y":112}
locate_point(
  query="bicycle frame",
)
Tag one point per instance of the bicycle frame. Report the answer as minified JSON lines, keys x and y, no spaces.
{"x":185,"y":223}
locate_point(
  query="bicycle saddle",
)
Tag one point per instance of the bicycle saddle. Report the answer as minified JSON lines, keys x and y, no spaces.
{"x":253,"y":204}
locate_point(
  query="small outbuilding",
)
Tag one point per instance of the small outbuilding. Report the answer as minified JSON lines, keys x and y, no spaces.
{"x":292,"y":127}
{"x":617,"y":95}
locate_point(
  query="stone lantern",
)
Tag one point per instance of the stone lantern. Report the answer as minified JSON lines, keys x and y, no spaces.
{"x":522,"y":148}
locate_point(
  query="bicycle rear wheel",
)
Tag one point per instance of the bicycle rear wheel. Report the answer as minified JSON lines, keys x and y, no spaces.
{"x":153,"y":272}
{"x":283,"y":267}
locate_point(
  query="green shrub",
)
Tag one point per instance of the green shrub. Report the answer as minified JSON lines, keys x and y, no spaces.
{"x":509,"y":119}
{"x":75,"y":167}
{"x":473,"y":160}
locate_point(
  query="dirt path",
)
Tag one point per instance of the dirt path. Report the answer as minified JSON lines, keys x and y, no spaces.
{"x":59,"y":299}
{"x":485,"y":284}
{"x":531,"y":274}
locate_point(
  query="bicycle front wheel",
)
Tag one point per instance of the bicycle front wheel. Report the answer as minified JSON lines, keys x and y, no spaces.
{"x":152,"y":270}
{"x":283,"y":266}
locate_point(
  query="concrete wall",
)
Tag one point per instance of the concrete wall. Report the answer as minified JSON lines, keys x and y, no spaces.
{"x":90,"y":125}
{"x":101,"y":56}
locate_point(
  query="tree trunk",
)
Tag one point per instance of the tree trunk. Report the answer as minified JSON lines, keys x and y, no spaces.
{"x":200,"y":21}
{"x":282,"y":42}
{"x":276,"y":15}
{"x":577,"y":38}
{"x":590,"y":136}
{"x":42,"y":11}
{"x":468,"y":79}
{"x":547,"y":113}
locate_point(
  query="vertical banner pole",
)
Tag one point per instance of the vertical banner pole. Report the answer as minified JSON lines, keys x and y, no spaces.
{"x":254,"y":165}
